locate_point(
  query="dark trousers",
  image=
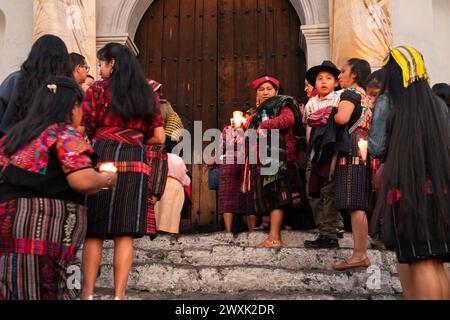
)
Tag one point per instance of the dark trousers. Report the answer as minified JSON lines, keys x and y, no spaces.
{"x":326,"y":217}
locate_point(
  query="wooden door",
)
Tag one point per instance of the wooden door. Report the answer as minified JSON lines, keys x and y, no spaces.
{"x":207,"y":52}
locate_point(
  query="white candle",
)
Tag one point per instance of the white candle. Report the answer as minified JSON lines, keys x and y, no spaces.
{"x":108,"y":167}
{"x":238,"y":118}
{"x":363,"y":145}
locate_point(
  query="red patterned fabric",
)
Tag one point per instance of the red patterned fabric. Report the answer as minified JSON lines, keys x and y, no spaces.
{"x":285,"y":121}
{"x":122,"y":135}
{"x":96,"y":113}
{"x":73,"y":151}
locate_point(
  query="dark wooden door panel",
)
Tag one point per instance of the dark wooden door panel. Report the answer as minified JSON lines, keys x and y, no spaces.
{"x":207,"y":52}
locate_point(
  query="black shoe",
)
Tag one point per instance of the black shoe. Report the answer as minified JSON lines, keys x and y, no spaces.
{"x":340,"y":233}
{"x":322,"y":242}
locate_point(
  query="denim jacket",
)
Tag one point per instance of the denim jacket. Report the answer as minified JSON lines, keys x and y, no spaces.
{"x":378,"y":139}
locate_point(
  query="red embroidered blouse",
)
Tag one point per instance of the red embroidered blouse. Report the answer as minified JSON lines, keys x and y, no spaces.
{"x":96,"y":113}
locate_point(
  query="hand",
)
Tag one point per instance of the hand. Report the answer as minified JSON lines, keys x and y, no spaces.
{"x":110,"y":177}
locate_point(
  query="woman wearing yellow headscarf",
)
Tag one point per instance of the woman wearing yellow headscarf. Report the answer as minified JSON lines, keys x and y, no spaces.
{"x":410,"y":132}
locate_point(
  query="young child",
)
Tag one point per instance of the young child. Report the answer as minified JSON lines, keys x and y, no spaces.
{"x":374,"y":85}
{"x":320,"y":184}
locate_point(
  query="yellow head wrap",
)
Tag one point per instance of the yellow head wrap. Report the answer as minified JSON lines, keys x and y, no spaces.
{"x":411,"y":62}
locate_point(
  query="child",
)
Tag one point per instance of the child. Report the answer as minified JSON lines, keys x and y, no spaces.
{"x":374,"y":85}
{"x":320,"y":183}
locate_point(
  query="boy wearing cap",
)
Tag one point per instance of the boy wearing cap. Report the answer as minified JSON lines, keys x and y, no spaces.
{"x":320,"y":188}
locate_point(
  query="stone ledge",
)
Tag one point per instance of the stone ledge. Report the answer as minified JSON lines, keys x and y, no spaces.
{"x":287,"y":258}
{"x":178,"y":280}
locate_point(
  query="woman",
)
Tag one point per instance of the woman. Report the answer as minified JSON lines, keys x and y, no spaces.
{"x":168,"y":208}
{"x":414,"y":140}
{"x":48,"y":57}
{"x":276,"y":191}
{"x":121,"y":116}
{"x":231,"y":200}
{"x":172,"y":121}
{"x":45,"y":165}
{"x":352,"y":187}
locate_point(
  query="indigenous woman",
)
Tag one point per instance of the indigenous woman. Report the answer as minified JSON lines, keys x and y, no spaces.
{"x":414,"y":140}
{"x":273,"y":192}
{"x":44,"y":166}
{"x":120,"y":115}
{"x":352,"y":188}
{"x":231,"y":199}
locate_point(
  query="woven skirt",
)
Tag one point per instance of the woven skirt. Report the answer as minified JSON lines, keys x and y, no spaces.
{"x":123,"y":210}
{"x":414,"y":250}
{"x":279,"y":194}
{"x":35,"y":277}
{"x":39,"y":239}
{"x":231,"y":199}
{"x":352,"y":187}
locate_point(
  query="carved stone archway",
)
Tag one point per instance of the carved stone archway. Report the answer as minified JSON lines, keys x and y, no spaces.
{"x":121,"y":22}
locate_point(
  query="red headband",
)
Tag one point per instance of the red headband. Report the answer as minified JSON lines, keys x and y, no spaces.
{"x":260,"y":81}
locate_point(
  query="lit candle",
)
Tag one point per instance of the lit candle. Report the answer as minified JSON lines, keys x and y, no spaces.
{"x":238,"y":117}
{"x":108,"y":167}
{"x":363,"y":145}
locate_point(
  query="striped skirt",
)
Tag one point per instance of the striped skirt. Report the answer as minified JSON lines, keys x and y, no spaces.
{"x":352,"y":186}
{"x":39,"y":239}
{"x":231,"y":199}
{"x":35,"y":277}
{"x":122,"y":211}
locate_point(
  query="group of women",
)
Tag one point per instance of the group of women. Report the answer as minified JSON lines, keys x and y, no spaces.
{"x":47,"y":165}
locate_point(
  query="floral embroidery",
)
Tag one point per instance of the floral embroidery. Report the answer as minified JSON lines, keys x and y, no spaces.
{"x":394,"y":196}
{"x":70,"y":222}
{"x":73,"y":151}
{"x":34,"y":156}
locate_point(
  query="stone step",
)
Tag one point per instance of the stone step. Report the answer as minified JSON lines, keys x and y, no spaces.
{"x":227,"y":255}
{"x":107,"y":294}
{"x":175,"y":279}
{"x":207,"y":241}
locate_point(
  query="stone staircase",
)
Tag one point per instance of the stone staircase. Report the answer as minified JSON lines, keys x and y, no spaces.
{"x":221,"y":266}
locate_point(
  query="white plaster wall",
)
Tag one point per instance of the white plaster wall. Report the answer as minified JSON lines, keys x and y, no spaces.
{"x":440,"y":67}
{"x":17,"y":39}
{"x":425,"y":25}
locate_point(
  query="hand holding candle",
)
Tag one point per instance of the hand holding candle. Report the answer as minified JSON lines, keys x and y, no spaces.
{"x":110,"y":170}
{"x":108,"y":167}
{"x":363,"y":146}
{"x":238,"y":117}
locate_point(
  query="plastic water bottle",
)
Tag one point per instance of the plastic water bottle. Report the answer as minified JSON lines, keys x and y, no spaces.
{"x":264,"y":115}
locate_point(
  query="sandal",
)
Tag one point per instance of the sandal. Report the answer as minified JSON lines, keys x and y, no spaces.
{"x":271,"y":244}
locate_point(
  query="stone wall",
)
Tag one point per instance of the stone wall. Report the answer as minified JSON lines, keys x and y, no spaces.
{"x":16,"y":29}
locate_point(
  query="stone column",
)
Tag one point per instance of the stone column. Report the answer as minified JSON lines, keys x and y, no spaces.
{"x":317,"y":38}
{"x":74,"y":21}
{"x":122,"y":39}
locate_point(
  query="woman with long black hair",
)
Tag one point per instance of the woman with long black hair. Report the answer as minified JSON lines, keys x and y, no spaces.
{"x":414,"y":197}
{"x":121,"y":116}
{"x":45,"y":166}
{"x":48,"y":57}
